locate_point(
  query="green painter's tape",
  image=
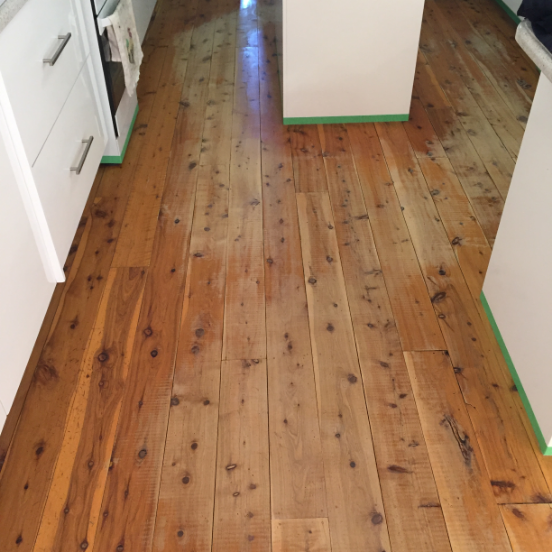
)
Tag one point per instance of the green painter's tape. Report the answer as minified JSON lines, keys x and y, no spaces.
{"x":546,"y":450}
{"x":508,"y":10}
{"x":345,"y":119}
{"x":118,"y":159}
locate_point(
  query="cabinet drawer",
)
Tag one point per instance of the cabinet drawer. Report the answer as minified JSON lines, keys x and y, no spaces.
{"x":38,"y":90}
{"x":62,"y":191}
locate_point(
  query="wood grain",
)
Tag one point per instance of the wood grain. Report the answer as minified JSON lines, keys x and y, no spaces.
{"x":242,"y":500}
{"x":217,"y":132}
{"x":313,"y":247}
{"x":308,"y":164}
{"x":481,"y":190}
{"x":72,"y":510}
{"x":36,"y":445}
{"x":137,"y":455}
{"x":403,"y":464}
{"x":463,"y":230}
{"x":512,"y":465}
{"x":414,"y":315}
{"x":449,"y":67}
{"x":529,"y":526}
{"x":244,"y":317}
{"x":188,"y":477}
{"x":180,"y":83}
{"x":422,"y":135}
{"x":301,"y":535}
{"x":473,"y":519}
{"x":296,"y":466}
{"x":355,"y":505}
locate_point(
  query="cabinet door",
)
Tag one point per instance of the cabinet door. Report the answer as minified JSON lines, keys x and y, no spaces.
{"x":62,"y":189}
{"x":38,"y":90}
{"x":24,"y":290}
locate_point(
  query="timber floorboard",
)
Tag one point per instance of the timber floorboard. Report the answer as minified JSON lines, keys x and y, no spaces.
{"x":270,"y":338}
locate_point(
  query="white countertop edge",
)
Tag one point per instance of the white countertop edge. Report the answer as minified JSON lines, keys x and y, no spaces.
{"x":8,"y":10}
{"x":534,"y":48}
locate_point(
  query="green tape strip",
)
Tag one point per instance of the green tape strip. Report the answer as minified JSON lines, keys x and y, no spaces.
{"x":345,"y":119}
{"x":509,"y":11}
{"x":118,"y":159}
{"x":546,"y":450}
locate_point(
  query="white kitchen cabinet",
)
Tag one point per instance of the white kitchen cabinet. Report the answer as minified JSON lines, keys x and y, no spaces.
{"x":24,"y":290}
{"x":48,"y":113}
{"x":35,"y":99}
{"x":62,"y":184}
{"x":349,"y":60}
{"x":37,"y":90}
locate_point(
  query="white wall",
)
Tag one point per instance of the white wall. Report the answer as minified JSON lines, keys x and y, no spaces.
{"x":349,"y":57}
{"x":518,"y":284}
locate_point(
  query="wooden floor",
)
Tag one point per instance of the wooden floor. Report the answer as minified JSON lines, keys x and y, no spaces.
{"x":270,"y":337}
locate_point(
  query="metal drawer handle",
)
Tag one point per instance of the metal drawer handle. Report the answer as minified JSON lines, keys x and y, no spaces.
{"x":64,"y":40}
{"x":88,"y":143}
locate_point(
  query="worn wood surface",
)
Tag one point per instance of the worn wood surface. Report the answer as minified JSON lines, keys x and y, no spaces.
{"x":301,"y":535}
{"x":466,"y":497}
{"x":296,"y":465}
{"x":528,"y":526}
{"x":242,"y":498}
{"x":296,"y":357}
{"x":355,"y":505}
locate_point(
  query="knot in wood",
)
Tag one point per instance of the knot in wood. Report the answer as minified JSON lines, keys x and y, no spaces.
{"x":377,"y":519}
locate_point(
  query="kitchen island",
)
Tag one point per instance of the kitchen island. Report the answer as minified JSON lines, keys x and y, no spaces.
{"x":349,"y":60}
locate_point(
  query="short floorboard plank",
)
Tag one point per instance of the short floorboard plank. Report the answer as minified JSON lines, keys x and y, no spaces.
{"x":242,"y":500}
{"x":131,"y":495}
{"x":296,"y":466}
{"x":355,"y":504}
{"x":301,"y":535}
{"x":244,"y":317}
{"x":414,"y":315}
{"x":35,"y":447}
{"x":72,"y":510}
{"x":404,"y":470}
{"x":185,"y":509}
{"x":472,"y":516}
{"x":529,"y":526}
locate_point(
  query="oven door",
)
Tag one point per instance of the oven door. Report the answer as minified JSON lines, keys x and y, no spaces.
{"x":113,"y":70}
